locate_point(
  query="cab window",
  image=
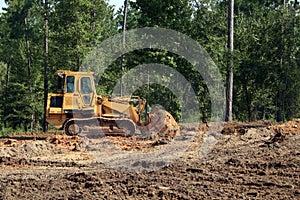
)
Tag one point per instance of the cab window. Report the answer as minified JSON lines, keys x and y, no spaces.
{"x":70,"y":84}
{"x":85,"y":85}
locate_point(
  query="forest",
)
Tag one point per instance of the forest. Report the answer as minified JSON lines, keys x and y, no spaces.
{"x":266,"y":81}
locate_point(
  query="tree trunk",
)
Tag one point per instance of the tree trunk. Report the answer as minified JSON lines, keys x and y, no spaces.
{"x":123,"y":42}
{"x":45,"y":125}
{"x":280,"y":116}
{"x":29,"y":74}
{"x":6,"y":91}
{"x":248,"y":99}
{"x":229,"y":88}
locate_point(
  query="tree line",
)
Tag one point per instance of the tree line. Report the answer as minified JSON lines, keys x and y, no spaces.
{"x":266,"y":53}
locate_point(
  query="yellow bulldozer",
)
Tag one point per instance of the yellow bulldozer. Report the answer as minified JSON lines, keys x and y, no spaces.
{"x":75,"y":107}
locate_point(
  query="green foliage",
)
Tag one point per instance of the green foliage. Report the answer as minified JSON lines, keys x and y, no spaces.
{"x":173,"y":14}
{"x":266,"y":55}
{"x":74,"y":28}
{"x":265,"y":88}
{"x":266,"y":85}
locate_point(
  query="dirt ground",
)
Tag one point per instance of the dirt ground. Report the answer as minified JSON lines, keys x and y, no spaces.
{"x":259,"y":160}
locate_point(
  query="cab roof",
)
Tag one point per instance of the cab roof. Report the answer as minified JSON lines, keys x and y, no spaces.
{"x":73,"y":73}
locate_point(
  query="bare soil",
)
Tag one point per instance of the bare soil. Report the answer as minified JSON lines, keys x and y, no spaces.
{"x":259,"y":160}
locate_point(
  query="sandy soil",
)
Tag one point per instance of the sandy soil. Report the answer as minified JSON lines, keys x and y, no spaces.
{"x":259,"y":160}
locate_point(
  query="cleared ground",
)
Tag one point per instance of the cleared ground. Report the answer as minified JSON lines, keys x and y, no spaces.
{"x":258,"y":160}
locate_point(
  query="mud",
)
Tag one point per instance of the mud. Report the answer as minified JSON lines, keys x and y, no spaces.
{"x":259,"y":160}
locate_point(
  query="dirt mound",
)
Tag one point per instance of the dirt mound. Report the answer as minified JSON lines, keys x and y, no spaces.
{"x":30,"y":149}
{"x":239,"y":128}
{"x":170,"y":128}
{"x":288,"y":128}
{"x":196,"y":126}
{"x":66,"y":142}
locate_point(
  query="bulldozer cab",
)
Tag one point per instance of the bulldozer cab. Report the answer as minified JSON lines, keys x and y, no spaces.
{"x":75,"y":94}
